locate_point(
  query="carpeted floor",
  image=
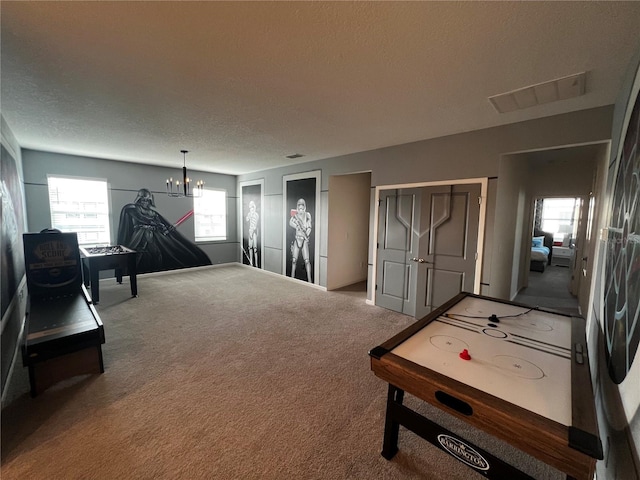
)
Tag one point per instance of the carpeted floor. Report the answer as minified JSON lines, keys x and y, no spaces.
{"x":228,"y":373}
{"x":550,"y":289}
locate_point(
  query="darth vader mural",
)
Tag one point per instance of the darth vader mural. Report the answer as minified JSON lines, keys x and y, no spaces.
{"x":159,"y":245}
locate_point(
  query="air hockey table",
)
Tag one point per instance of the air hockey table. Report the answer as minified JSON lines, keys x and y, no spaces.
{"x":515,"y":372}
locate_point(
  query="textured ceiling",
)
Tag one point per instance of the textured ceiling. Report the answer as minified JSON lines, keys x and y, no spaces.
{"x":242,"y":84}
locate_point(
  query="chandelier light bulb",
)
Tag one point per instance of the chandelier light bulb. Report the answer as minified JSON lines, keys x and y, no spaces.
{"x":186,"y":181}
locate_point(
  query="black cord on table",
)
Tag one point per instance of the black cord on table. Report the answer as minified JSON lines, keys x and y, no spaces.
{"x":492,"y":317}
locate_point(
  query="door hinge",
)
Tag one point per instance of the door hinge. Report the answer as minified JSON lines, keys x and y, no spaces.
{"x":376,"y":286}
{"x":476,"y":256}
{"x":479,"y":200}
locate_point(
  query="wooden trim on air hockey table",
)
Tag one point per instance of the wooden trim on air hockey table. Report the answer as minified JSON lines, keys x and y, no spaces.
{"x":572,"y":450}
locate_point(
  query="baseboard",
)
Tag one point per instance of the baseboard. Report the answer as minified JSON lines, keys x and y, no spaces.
{"x":267,"y":272}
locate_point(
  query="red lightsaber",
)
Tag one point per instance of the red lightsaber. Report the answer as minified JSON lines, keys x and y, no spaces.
{"x":184,"y":217}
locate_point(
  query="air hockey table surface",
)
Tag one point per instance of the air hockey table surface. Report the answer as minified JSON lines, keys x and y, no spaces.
{"x":516,"y":372}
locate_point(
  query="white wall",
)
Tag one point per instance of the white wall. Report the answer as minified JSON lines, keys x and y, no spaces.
{"x":348,"y":229}
{"x":507,"y":243}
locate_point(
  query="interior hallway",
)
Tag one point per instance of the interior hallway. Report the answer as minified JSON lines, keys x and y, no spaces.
{"x":550,"y":289}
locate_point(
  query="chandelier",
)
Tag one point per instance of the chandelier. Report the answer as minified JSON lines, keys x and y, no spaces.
{"x":184,"y":189}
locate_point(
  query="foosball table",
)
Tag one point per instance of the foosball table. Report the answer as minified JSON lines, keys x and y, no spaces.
{"x":114,"y":257}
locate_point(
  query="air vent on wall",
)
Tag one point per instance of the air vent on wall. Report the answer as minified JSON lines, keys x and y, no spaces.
{"x":551,"y":91}
{"x":294,"y":155}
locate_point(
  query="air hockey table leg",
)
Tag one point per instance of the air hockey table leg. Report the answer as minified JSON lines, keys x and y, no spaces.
{"x":391,"y":426}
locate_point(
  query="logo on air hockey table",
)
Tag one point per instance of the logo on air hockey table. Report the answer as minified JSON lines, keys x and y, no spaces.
{"x":463,"y":452}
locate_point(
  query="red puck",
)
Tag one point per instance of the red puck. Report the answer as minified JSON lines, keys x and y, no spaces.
{"x":464,"y":354}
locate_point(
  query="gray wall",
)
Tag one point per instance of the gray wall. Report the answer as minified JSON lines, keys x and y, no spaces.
{"x":469,"y":155}
{"x":511,"y":195}
{"x":124,"y":180}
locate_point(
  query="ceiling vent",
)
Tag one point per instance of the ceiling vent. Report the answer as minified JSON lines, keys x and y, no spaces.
{"x":294,"y":155}
{"x":552,"y":91}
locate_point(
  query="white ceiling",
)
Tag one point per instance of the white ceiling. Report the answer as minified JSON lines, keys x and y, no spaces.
{"x":242,"y":84}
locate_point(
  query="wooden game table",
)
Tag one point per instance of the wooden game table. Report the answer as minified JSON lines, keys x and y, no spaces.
{"x":114,"y":257}
{"x":518,"y":373}
{"x":64,"y":337}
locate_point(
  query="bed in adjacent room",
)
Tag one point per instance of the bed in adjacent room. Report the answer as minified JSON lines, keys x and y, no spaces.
{"x":541,"y":250}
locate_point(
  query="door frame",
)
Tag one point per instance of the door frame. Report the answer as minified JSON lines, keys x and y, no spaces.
{"x":577,"y":271}
{"x":484,"y":185}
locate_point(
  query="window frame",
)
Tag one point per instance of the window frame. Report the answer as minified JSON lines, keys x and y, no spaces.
{"x":97,"y":213}
{"x":564,"y":216}
{"x":211,"y":238}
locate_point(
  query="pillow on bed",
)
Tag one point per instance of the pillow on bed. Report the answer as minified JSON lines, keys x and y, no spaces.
{"x":537,"y":242}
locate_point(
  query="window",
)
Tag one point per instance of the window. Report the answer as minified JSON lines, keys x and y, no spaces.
{"x":210,"y":215}
{"x":80,"y":205}
{"x":558,"y":217}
